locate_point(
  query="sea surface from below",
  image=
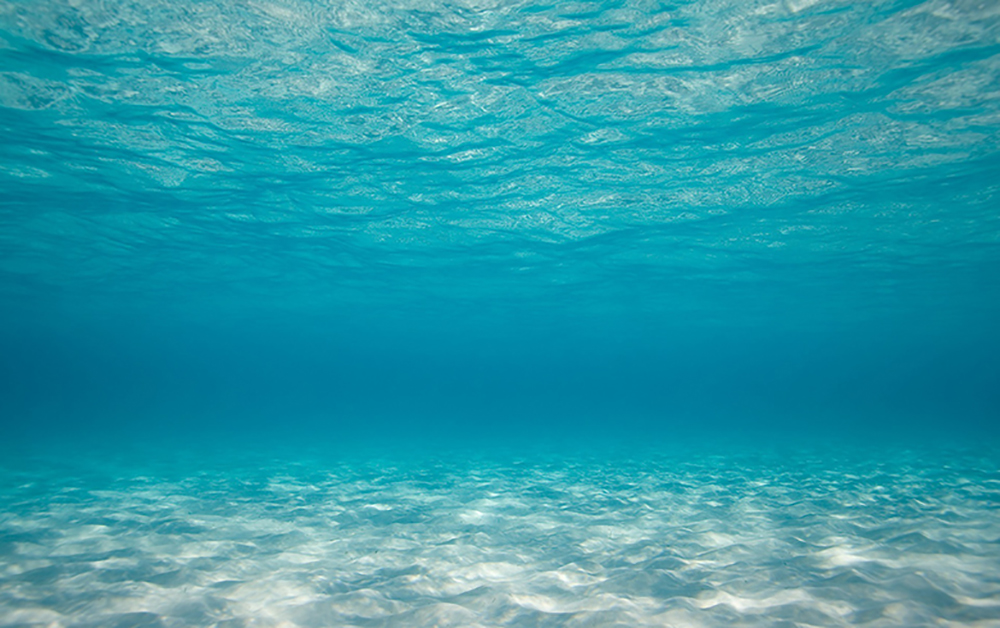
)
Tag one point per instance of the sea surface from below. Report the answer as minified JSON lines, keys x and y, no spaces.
{"x":500,"y":313}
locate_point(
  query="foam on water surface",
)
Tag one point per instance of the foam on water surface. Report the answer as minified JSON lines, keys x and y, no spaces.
{"x":822,"y":539}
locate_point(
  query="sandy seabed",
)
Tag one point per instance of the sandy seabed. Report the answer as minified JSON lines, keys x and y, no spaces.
{"x":901,"y":539}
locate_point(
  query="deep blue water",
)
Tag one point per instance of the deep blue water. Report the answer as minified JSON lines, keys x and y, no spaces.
{"x":586,"y":313}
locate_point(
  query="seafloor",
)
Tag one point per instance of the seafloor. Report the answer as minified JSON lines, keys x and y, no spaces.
{"x":902,"y":537}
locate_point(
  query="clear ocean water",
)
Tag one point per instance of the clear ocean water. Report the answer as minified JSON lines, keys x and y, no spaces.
{"x":499,"y":313}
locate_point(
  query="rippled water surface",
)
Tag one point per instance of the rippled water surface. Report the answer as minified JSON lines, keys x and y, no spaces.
{"x":907,"y":538}
{"x":616,"y":158}
{"x":470,"y":225}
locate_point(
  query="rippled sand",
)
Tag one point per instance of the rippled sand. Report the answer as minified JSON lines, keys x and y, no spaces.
{"x":901,"y":539}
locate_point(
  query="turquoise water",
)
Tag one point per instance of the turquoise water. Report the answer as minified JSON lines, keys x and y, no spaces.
{"x":499,"y":313}
{"x":678,"y":538}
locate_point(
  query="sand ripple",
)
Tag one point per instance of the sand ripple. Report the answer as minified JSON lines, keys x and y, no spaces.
{"x":807,"y":540}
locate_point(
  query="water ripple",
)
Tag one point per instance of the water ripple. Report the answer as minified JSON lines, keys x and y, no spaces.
{"x":725,"y":143}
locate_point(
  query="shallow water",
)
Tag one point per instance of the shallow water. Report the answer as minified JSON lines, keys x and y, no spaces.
{"x":759,"y":538}
{"x":499,"y":312}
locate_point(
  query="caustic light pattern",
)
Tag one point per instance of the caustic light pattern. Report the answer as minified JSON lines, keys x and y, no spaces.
{"x":712,"y":541}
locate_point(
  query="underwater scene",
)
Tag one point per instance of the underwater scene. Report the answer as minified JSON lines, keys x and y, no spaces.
{"x":326,"y":313}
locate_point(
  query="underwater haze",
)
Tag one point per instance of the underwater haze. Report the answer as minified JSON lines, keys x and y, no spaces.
{"x":499,"y":313}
